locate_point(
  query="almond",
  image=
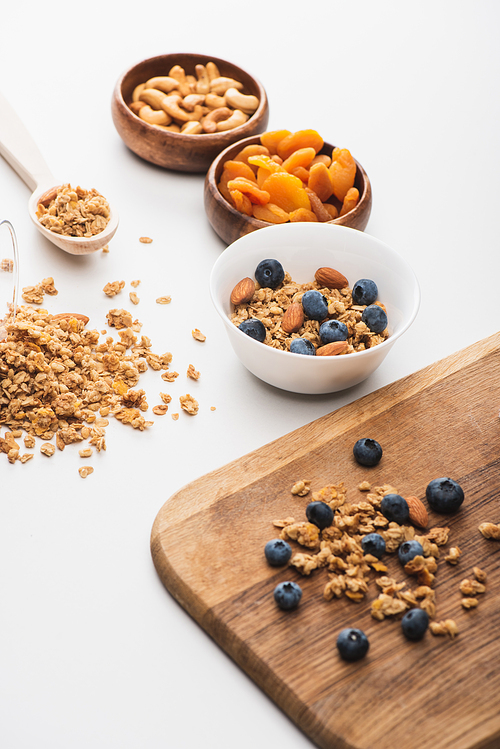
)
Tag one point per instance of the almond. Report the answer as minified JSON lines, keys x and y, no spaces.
{"x":293,"y":319}
{"x":418,"y":513}
{"x":332,"y":349}
{"x":69,"y":315}
{"x":243,"y":291}
{"x":330,"y":278}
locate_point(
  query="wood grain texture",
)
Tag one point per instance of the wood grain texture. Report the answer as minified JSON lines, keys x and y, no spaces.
{"x":175,"y":151}
{"x":207,"y":545}
{"x":230,"y":224}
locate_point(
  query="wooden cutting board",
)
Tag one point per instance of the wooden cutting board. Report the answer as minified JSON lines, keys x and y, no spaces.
{"x":208,"y":539}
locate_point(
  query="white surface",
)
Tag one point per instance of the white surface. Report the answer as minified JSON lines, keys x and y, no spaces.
{"x":93,"y":650}
{"x":302,"y":248}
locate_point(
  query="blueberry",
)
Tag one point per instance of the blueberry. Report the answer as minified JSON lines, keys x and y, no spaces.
{"x":320,"y":514}
{"x":414,"y":624}
{"x":364,"y":291}
{"x":373,"y":544}
{"x":287,"y":595}
{"x":375,"y":318}
{"x":395,"y":508}
{"x":269,"y":273}
{"x":367,"y":452}
{"x":408,"y":550}
{"x":253,"y":328}
{"x":352,"y":644}
{"x":277,"y":552}
{"x":302,"y":346}
{"x":444,"y":495}
{"x":333,"y":330}
{"x":315,"y":305}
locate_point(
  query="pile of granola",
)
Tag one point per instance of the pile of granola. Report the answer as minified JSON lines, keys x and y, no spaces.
{"x":270,"y":305}
{"x":74,"y":212}
{"x":337,"y":549}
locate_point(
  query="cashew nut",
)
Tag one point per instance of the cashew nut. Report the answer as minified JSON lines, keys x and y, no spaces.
{"x":136,"y":106}
{"x":203,"y":84}
{"x":213,"y":101}
{"x":211,"y":121}
{"x":171,"y":106}
{"x":237,"y":100}
{"x":153,"y":97}
{"x":191,"y":100}
{"x":136,"y":94}
{"x":154,"y":116}
{"x":237,"y":118}
{"x":179,"y":74}
{"x":191,"y":128}
{"x":162,"y":82}
{"x":212,"y":71}
{"x":220,"y":85}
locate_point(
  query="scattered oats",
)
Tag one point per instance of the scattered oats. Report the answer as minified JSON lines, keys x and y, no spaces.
{"x":480,"y":575}
{"x":29,"y":441}
{"x":444,"y":627}
{"x":198,"y":335}
{"x":213,"y":408}
{"x":164,"y":300}
{"x":27,"y":456}
{"x":33,"y":294}
{"x":85,"y":452}
{"x":145,"y":240}
{"x":85,"y":471}
{"x":113,"y":288}
{"x":105,"y":249}
{"x":101,"y":422}
{"x":7,"y":265}
{"x":104,"y":411}
{"x":166,"y":398}
{"x":471,"y":587}
{"x":365,"y":486}
{"x":175,"y":417}
{"x":469,"y":603}
{"x":189,"y":404}
{"x":48,"y":449}
{"x":301,"y":488}
{"x":490,"y":530}
{"x":74,"y":212}
{"x":169,"y":376}
{"x":453,"y":555}
{"x":160,"y":410}
{"x":134,"y":298}
{"x":119,"y":319}
{"x":48,"y":287}
{"x":192,"y":373}
{"x":135,"y":284}
{"x":104,"y":332}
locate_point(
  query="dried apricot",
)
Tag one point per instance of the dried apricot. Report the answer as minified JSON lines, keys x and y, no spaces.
{"x":350,"y":201}
{"x":342,"y":172}
{"x":303,"y":214}
{"x":241,"y":202}
{"x":272,"y":138}
{"x":301,"y":173}
{"x":332,"y":210}
{"x":286,"y":191}
{"x":251,"y":150}
{"x":271,"y":213}
{"x":265,"y":166}
{"x":301,"y":157}
{"x":233,"y":169}
{"x":317,"y":206}
{"x":299,"y":139}
{"x":320,"y":181}
{"x":250,"y":189}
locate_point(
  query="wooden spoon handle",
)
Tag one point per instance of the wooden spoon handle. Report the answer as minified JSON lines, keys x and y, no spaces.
{"x":20,"y":150}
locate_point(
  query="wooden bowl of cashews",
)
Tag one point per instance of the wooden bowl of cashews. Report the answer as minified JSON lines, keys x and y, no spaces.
{"x":231,"y":224}
{"x":179,"y":111}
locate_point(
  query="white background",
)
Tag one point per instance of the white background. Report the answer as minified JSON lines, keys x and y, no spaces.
{"x":93,"y":651}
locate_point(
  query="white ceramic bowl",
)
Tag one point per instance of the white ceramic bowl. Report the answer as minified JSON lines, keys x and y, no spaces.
{"x":302,"y":248}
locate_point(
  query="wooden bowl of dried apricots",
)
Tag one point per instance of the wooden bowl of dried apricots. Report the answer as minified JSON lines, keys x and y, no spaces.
{"x":279,"y":177}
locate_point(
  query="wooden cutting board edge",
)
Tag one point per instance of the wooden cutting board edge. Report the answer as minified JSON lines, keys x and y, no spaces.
{"x":205,"y":491}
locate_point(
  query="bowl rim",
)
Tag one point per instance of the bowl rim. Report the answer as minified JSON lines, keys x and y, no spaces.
{"x":363,"y":204}
{"x":215,"y":137}
{"x":388,"y":343}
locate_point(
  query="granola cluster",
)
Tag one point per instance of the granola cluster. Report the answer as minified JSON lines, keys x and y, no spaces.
{"x":74,"y":212}
{"x":58,"y":379}
{"x":270,"y":305}
{"x":338,"y":550}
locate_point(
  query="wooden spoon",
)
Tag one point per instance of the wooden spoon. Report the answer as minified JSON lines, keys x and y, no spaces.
{"x":21,"y":152}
